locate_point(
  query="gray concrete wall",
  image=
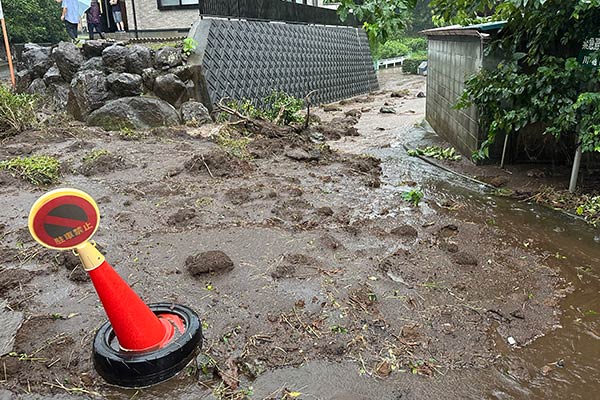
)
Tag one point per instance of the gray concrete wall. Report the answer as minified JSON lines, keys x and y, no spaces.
{"x":451,"y":60}
{"x":149,"y":17}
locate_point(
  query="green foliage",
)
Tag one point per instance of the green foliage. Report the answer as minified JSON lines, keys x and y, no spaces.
{"x":414,"y":197}
{"x":236,"y":147}
{"x":411,"y":64}
{"x":436,"y":152}
{"x":338,"y":329}
{"x":381,"y":18}
{"x":92,"y":156}
{"x":465,"y":12}
{"x":126,"y":133}
{"x":34,"y":21}
{"x":402,"y":47}
{"x":38,"y":170}
{"x":590,"y":209}
{"x":189,"y":46}
{"x":422,"y":17}
{"x":278,"y":107}
{"x":543,"y":82}
{"x":17,"y":111}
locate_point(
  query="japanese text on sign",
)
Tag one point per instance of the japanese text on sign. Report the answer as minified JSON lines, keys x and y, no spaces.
{"x":73,"y":233}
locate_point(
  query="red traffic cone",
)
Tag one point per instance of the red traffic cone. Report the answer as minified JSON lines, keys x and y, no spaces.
{"x":137,"y":328}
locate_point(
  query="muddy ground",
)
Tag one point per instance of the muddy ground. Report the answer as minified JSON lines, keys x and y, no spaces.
{"x":332,"y":269}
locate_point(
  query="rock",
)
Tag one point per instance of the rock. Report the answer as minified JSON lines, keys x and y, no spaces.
{"x":463,"y":258}
{"x":387,"y":110}
{"x":300,"y":154}
{"x":194,"y":113}
{"x":59,"y":95}
{"x":52,"y":75}
{"x":498,"y":181}
{"x":93,"y":63}
{"x":325,"y":211}
{"x":536,"y":173}
{"x":182,"y":216}
{"x":355,"y":112}
{"x":138,"y":59}
{"x":88,"y":93}
{"x":184,"y":72}
{"x":23,"y":79}
{"x":405,"y":230}
{"x":125,"y":84}
{"x":168,"y":57}
{"x":134,"y":113}
{"x":365,"y":109}
{"x":114,"y":58}
{"x":94,"y":48}
{"x":68,"y":59}
{"x":148,"y":76}
{"x":420,"y":94}
{"x":211,"y":261}
{"x":170,"y":88}
{"x":400,"y":93}
{"x":331,"y":107}
{"x":37,"y":59}
{"x":37,"y":87}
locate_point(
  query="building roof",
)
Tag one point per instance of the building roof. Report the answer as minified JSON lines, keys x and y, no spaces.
{"x":479,"y":30}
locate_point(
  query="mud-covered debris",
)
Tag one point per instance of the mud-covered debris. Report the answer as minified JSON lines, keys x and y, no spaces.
{"x":11,"y":322}
{"x":78,"y":274}
{"x":182,"y":216}
{"x":11,"y":278}
{"x":464,"y":258}
{"x":208,"y":262}
{"x":355,"y":112}
{"x":448,"y":231}
{"x":101,"y":162}
{"x":217,"y":163}
{"x":239,"y":196}
{"x":387,"y":110}
{"x":400,"y":93}
{"x":325,"y":211}
{"x":405,"y":230}
{"x":338,"y":128}
{"x":300,"y":154}
{"x":366,"y":109}
{"x":448,"y":246}
{"x":330,"y":242}
{"x":495,"y":181}
{"x":291,"y":264}
{"x":331,"y":107}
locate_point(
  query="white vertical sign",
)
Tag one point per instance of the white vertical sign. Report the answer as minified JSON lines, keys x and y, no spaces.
{"x":1,"y":12}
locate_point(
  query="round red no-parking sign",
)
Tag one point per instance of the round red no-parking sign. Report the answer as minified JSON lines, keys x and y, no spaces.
{"x":64,"y":219}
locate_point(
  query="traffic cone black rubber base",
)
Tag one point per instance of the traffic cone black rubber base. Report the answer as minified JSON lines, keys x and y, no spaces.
{"x":142,"y":369}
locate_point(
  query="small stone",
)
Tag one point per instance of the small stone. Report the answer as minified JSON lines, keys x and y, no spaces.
{"x":400,"y":93}
{"x":512,"y":341}
{"x":331,"y":107}
{"x":211,"y":261}
{"x":194,"y":113}
{"x":405,"y":230}
{"x":420,"y":95}
{"x":387,"y":110}
{"x":355,"y":112}
{"x":168,"y":57}
{"x":299,"y":154}
{"x":325,"y":211}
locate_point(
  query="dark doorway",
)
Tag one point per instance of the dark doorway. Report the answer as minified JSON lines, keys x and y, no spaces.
{"x":108,"y":22}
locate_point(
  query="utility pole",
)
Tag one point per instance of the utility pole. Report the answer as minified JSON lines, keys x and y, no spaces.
{"x":7,"y":47}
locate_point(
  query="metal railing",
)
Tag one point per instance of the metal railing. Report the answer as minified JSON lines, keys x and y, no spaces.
{"x":273,"y":10}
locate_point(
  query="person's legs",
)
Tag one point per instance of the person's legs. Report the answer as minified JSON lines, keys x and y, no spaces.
{"x":118,"y":20}
{"x":91,"y":30}
{"x":71,"y":29}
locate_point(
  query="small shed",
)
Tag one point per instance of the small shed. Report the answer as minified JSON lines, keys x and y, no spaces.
{"x":454,"y":54}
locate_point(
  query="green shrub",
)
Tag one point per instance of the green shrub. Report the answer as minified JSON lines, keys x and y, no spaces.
{"x":17,"y":111}
{"x":416,"y":44}
{"x":35,"y":21}
{"x":278,"y":107}
{"x":393,"y":49}
{"x":410,"y":65}
{"x":38,"y":170}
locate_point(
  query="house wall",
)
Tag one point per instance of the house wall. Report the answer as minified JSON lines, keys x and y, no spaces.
{"x":451,"y":60}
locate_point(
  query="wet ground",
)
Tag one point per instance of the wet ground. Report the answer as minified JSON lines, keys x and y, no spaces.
{"x":340,"y":288}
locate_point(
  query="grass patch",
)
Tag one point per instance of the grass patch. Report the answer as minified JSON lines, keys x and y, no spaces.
{"x":236,"y":147}
{"x":126,"y":133}
{"x":278,"y":107}
{"x":94,"y":155}
{"x":17,"y":111}
{"x":439,"y":153}
{"x":38,"y":170}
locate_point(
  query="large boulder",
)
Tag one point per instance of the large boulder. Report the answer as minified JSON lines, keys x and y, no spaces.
{"x":37,"y":87}
{"x":37,"y":59}
{"x":134,"y":113}
{"x":94,"y":48}
{"x":114,"y":58}
{"x":93,"y":63}
{"x":52,"y":75}
{"x":194,"y":113}
{"x":68,"y":59}
{"x":24,"y":79}
{"x":88,"y":93}
{"x":138,"y":59}
{"x":125,"y":84}
{"x":170,"y":88}
{"x":168,"y":57}
{"x":59,"y":94}
{"x":149,"y":75}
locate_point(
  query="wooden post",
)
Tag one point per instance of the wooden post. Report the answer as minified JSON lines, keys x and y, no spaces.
{"x":575,"y":171}
{"x":7,"y":48}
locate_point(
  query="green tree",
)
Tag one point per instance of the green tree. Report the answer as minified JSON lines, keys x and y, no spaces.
{"x":33,"y":21}
{"x":421,"y":18}
{"x":381,"y":18}
{"x":540,"y":80}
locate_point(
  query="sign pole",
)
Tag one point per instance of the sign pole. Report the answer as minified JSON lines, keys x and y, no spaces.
{"x":7,"y":47}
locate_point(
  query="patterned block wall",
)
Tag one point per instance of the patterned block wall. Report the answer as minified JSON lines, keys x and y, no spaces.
{"x":251,"y":59}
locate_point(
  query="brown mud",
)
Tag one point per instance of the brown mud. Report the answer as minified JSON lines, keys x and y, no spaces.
{"x":338,"y":287}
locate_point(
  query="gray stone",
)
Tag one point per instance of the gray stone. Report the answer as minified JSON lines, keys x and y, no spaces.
{"x":148,"y":76}
{"x":10,"y":321}
{"x":168,"y":57}
{"x":37,"y":87}
{"x":125,"y":84}
{"x":387,"y":110}
{"x":420,"y":94}
{"x":184,"y":72}
{"x":93,"y":63}
{"x":300,"y":154}
{"x":138,"y":59}
{"x":24,"y":79}
{"x":170,"y":88}
{"x":194,"y":113}
{"x":94,"y":48}
{"x":68,"y":59}
{"x":59,"y":95}
{"x":88,"y":93}
{"x":37,"y":59}
{"x":114,"y":58}
{"x":52,"y":75}
{"x":134,"y":113}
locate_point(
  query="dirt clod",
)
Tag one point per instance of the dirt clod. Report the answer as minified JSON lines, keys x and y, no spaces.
{"x":464,"y":258}
{"x":218,"y":163}
{"x":405,"y":230}
{"x":182,"y":216}
{"x":214,"y":261}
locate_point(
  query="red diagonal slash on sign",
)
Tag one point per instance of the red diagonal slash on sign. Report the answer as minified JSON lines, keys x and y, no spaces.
{"x":71,"y":223}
